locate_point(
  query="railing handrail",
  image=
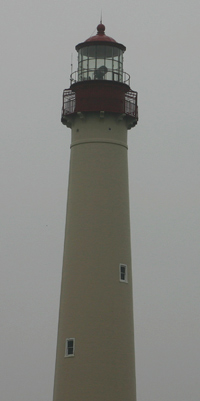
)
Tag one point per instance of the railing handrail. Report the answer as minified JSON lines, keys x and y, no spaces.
{"x":74,"y":77}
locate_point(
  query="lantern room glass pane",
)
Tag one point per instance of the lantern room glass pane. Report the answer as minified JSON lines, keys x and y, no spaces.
{"x":100,"y":62}
{"x":108,"y":63}
{"x":84,"y":64}
{"x":115,"y":65}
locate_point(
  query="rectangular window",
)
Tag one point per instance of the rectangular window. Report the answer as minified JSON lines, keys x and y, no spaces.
{"x":69,"y":347}
{"x":123,"y":273}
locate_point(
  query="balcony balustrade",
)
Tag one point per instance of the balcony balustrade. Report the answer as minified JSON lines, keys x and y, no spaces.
{"x":130,"y":104}
{"x":101,"y":73}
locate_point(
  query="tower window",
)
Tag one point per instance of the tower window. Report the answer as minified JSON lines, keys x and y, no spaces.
{"x":69,"y":347}
{"x":123,"y":273}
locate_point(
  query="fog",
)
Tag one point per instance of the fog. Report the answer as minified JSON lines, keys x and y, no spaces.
{"x":162,"y":57}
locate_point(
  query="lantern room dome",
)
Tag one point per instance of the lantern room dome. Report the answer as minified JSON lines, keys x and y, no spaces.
{"x":100,"y":38}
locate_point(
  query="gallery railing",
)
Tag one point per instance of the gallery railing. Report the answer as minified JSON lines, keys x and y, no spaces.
{"x":130,"y":103}
{"x":101,"y":73}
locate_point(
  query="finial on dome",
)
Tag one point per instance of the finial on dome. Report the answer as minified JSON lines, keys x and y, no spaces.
{"x":101,"y":29}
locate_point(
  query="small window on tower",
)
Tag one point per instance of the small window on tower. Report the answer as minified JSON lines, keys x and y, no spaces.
{"x":123,"y":273}
{"x":69,"y":347}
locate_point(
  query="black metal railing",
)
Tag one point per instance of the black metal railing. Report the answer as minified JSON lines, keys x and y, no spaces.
{"x":69,"y":101}
{"x":130,"y":103}
{"x":100,"y":74}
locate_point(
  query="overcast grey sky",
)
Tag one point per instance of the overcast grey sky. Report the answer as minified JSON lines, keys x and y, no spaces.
{"x":162,"y":39}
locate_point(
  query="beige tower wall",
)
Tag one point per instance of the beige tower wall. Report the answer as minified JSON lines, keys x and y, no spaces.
{"x":96,"y":308}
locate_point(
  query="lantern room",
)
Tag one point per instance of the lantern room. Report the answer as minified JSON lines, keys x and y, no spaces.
{"x":100,"y":62}
{"x":100,"y":83}
{"x":100,"y":58}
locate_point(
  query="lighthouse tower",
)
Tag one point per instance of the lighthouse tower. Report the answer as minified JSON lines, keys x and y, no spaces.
{"x":95,"y":347}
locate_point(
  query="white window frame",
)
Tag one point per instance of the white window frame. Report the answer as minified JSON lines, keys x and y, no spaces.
{"x":126,"y":273}
{"x":66,"y":347}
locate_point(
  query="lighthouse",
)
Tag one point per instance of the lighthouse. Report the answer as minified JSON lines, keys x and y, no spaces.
{"x":95,"y":346}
